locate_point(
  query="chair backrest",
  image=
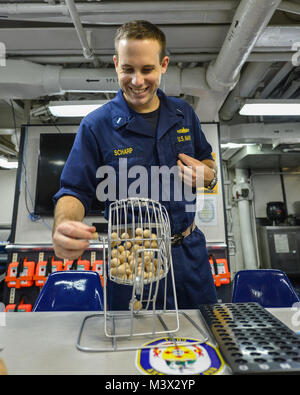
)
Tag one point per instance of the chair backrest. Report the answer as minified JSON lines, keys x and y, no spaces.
{"x":268,"y":287}
{"x":71,"y":291}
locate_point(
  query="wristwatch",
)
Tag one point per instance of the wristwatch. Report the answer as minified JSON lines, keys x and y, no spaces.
{"x":213,"y":181}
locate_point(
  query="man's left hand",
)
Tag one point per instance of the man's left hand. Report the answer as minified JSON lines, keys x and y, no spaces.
{"x":189,"y":174}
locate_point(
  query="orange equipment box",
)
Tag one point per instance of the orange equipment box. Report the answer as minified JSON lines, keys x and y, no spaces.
{"x":78,"y":264}
{"x":20,"y":274}
{"x":44,"y":268}
{"x":219,"y":268}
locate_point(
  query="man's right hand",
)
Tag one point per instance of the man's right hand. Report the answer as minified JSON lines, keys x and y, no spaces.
{"x":71,"y":239}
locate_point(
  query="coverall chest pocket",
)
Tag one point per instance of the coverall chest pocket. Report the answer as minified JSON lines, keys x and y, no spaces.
{"x":182,"y":140}
{"x":120,"y":173}
{"x":124,"y":157}
{"x":126,"y":169}
{"x":124,"y":164}
{"x":184,"y":145}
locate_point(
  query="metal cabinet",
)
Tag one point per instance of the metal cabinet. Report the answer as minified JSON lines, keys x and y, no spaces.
{"x":279,"y":248}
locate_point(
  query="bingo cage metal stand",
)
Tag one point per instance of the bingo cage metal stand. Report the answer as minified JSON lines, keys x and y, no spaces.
{"x":137,"y":253}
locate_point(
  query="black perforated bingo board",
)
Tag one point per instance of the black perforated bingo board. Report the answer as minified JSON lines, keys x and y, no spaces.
{"x":251,"y":339}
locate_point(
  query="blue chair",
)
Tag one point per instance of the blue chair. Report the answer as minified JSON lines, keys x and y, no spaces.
{"x":268,"y":287}
{"x":71,"y":291}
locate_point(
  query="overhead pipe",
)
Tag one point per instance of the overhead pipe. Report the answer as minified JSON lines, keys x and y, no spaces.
{"x":174,"y":58}
{"x":294,"y":86}
{"x":251,"y":77}
{"x":48,"y":59}
{"x":282,"y":73}
{"x":243,"y":192}
{"x":251,"y":17}
{"x":270,"y":56}
{"x":6,"y":150}
{"x":88,"y":52}
{"x":116,"y":13}
{"x":128,"y":6}
{"x":289,"y":6}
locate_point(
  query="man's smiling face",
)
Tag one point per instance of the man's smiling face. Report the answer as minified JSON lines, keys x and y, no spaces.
{"x":139,"y":70}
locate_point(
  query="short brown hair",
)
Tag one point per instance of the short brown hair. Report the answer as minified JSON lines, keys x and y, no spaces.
{"x":141,"y":30}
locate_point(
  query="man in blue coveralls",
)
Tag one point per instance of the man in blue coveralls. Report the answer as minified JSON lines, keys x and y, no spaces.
{"x":144,"y":126}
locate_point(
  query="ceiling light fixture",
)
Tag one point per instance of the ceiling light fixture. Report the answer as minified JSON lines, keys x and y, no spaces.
{"x":275,"y":107}
{"x":8,"y":164}
{"x":74,"y":108}
{"x":235,"y":145}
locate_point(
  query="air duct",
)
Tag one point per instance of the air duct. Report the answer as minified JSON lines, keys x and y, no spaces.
{"x":250,"y":19}
{"x":25,"y":80}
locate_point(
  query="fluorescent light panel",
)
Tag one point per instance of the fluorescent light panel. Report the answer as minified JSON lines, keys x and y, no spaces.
{"x":74,"y":108}
{"x":7,"y":164}
{"x":271,"y":107}
{"x":235,"y":145}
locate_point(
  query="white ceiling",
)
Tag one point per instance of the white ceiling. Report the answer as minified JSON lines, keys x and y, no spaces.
{"x":43,"y":32}
{"x":192,"y":27}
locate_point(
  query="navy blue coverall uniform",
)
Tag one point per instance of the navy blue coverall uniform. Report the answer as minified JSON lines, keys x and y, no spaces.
{"x":115,"y":131}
